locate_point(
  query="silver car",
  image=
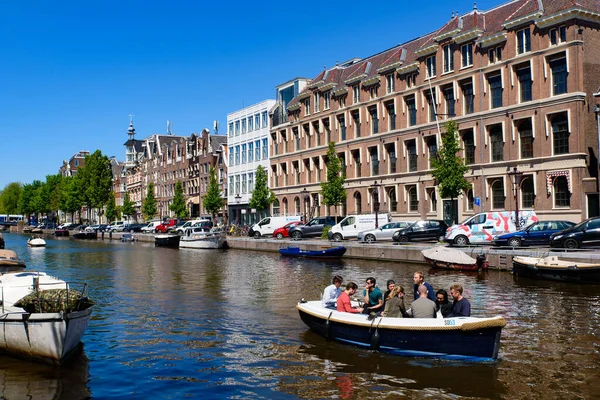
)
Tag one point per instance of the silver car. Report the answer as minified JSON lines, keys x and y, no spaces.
{"x":384,"y":232}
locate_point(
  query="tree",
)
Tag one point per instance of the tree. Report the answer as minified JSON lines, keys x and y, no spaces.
{"x":262,"y":196}
{"x":149,"y":203}
{"x":70,"y":197}
{"x":128,"y":208}
{"x":448,"y":168}
{"x":9,"y":198}
{"x":333,"y":190}
{"x":111,"y":208}
{"x":178,"y":205}
{"x":213,"y":200}
{"x":95,"y":179}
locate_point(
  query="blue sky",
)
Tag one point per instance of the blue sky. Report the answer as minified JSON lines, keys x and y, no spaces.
{"x":73,"y":71}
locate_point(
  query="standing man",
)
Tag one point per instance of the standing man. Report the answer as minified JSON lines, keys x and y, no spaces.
{"x":422,"y":307}
{"x":461,"y":307}
{"x":419,"y":280}
{"x":373,"y":297}
{"x":343,"y":302}
{"x":332,"y":292}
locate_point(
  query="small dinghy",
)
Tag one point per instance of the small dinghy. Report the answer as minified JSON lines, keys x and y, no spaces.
{"x":36,"y":242}
{"x":450,"y":258}
{"x":10,"y":261}
{"x":332,"y":252}
{"x":464,"y":338}
{"x":555,"y":269}
{"x":128,"y":237}
{"x":167,"y":240}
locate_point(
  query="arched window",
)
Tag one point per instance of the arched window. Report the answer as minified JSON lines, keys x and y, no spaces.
{"x":562,"y":197}
{"x":413,"y":200}
{"x":276,"y":207}
{"x":344,"y":207}
{"x":470,"y":199}
{"x":285,"y":206}
{"x":497,"y":195}
{"x":527,"y":194}
{"x":392,"y":199}
{"x":358,"y":202}
{"x":433,"y":200}
{"x":297,"y":206}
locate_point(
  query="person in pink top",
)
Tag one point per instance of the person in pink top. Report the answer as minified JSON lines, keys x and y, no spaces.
{"x":343,"y":302}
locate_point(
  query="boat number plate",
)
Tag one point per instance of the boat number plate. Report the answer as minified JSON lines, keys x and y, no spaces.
{"x":449,"y":322}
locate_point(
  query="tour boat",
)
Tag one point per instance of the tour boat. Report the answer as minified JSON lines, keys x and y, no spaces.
{"x":450,"y":258}
{"x":46,"y":330}
{"x":331,"y":252}
{"x":199,"y":238}
{"x":167,"y":240}
{"x":463,"y":338}
{"x":9,"y":261}
{"x":36,"y":242}
{"x":553,"y":268}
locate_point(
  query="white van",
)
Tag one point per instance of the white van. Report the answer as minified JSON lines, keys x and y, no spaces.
{"x":266,"y":226}
{"x":350,"y":226}
{"x":151,"y":227}
{"x":481,"y":228}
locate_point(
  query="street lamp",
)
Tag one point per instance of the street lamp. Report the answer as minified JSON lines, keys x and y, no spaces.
{"x":237,"y":201}
{"x":306,"y":196}
{"x":375,"y":193}
{"x":515,"y":176}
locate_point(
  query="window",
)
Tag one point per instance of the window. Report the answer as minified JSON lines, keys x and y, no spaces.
{"x":237,"y":128}
{"x":392,"y":199}
{"x":342,"y":101}
{"x":250,"y":152}
{"x":527,"y":193}
{"x":411,"y":150}
{"x":495,"y":83}
{"x":237,"y":184}
{"x":390,"y":83}
{"x":391,"y":150}
{"x":497,"y":189}
{"x":265,"y":119}
{"x":523,"y":41}
{"x":469,"y":145}
{"x":374,"y":120}
{"x":358,"y":202}
{"x":526,"y":138}
{"x":449,"y":97}
{"x":250,"y":125}
{"x":342,"y":157}
{"x":558,"y":35}
{"x":356,"y":93}
{"x":297,"y":205}
{"x":374,"y":161}
{"x":432,"y":201}
{"x":327,"y":100}
{"x":562,"y":197}
{"x":244,"y":185}
{"x":296,"y":167}
{"x":411,"y":80}
{"x":496,"y":143}
{"x":432,"y":148}
{"x":467,"y":89}
{"x":559,"y":75}
{"x":431,"y":100}
{"x":296,"y":138}
{"x":560,"y":134}
{"x":391,"y":112}
{"x":470,"y":200}
{"x":317,"y":132}
{"x":356,"y":121}
{"x":412,"y":111}
{"x":237,"y":155}
{"x":257,"y":121}
{"x":525,"y":83}
{"x":244,"y":153}
{"x":357,"y":163}
{"x":466,"y":52}
{"x":317,"y":102}
{"x":495,"y":55}
{"x":448,"y":51}
{"x":231,"y":156}
{"x":244,"y":125}
{"x":250,"y":182}
{"x":307,"y":107}
{"x":230,"y":129}
{"x":257,"y":150}
{"x":430,"y":67}
{"x":231,"y":186}
{"x":265,"y":150}
{"x":306,"y":128}
{"x":373,"y":92}
{"x":342,"y":123}
{"x":413,"y":200}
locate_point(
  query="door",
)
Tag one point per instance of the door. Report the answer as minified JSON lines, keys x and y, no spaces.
{"x":450,"y":208}
{"x":433,"y":230}
{"x":591,"y":236}
{"x":536,"y":235}
{"x":418,"y":231}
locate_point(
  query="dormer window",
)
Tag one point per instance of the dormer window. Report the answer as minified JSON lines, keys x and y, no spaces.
{"x":327,"y":100}
{"x":430,"y":67}
{"x":390,"y":83}
{"x":448,"y":58}
{"x":523,"y":41}
{"x":466,"y":52}
{"x":307,"y":107}
{"x":558,"y":35}
{"x":356,"y":93}
{"x":317,"y":98}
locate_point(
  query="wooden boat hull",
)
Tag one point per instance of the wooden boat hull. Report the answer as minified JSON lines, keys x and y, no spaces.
{"x":573,"y":271}
{"x":475,"y":339}
{"x":171,"y":241}
{"x":334,"y":252}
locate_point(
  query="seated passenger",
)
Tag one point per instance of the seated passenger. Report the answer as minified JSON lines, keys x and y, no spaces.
{"x":343,"y":302}
{"x":332,"y":292}
{"x":394,"y":304}
{"x":422,"y":307}
{"x":390,"y":285}
{"x":373,"y":297}
{"x":442,"y":304}
{"x":461,"y":307}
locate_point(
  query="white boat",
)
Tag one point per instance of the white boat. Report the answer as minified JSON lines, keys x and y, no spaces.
{"x":36,"y":242}
{"x":48,"y":337}
{"x":199,"y":238}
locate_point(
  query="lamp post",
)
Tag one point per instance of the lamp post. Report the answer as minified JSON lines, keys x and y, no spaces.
{"x":375,"y":193}
{"x":306,"y":197}
{"x":237,"y":201}
{"x":515,"y":176}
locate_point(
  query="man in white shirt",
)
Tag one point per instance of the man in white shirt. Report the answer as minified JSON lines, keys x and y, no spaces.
{"x":332,"y":292}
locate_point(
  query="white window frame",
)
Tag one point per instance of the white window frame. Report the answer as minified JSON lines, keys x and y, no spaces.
{"x":520,"y":35}
{"x":469,"y":58}
{"x":317,"y":104}
{"x":430,"y":67}
{"x":390,"y":80}
{"x":356,"y":94}
{"x":448,"y":52}
{"x":327,"y":100}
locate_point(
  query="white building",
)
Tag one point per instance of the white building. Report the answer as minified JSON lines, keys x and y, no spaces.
{"x":248,"y":147}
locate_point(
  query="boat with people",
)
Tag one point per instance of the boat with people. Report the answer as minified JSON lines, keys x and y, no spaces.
{"x":451,"y":258}
{"x":330,"y":252}
{"x":555,"y":269}
{"x":10,"y":261}
{"x":167,"y":240}
{"x":197,"y":237}
{"x":36,"y":241}
{"x":462,"y":338}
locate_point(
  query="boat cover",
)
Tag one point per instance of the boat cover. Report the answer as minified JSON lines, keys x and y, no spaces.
{"x":447,"y":254}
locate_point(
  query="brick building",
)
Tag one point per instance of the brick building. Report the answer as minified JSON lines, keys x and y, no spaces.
{"x":518,"y":79}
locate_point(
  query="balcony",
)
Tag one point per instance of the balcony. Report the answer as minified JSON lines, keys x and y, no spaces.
{"x":279,"y":115}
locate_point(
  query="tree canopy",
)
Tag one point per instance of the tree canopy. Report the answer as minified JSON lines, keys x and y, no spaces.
{"x":178,"y":205}
{"x":9,"y":198}
{"x":149,"y":206}
{"x":213,"y":200}
{"x":128,"y":208}
{"x":262,"y":195}
{"x":333,"y":190}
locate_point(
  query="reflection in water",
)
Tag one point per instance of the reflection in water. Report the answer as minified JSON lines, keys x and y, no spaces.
{"x":224,"y":324}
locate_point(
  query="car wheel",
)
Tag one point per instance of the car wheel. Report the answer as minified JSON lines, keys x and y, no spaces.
{"x":338,"y":237}
{"x":514,"y":242}
{"x":279,"y":236}
{"x":461,"y":240}
{"x":571,"y":244}
{"x":370,"y":238}
{"x":297,"y":235}
{"x":403,"y":239}
{"x":441,"y":238}
{"x":257,"y":235}
{"x":179,"y":233}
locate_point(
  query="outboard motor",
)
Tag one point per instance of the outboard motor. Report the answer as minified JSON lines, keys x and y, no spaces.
{"x":481,"y":261}
{"x":375,"y":340}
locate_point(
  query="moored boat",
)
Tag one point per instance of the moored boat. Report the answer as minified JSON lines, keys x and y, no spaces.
{"x":1,"y":241}
{"x":330,"y":252}
{"x":128,"y":237}
{"x":61,"y":232}
{"x":36,"y":242}
{"x":10,"y":261}
{"x":467,"y":338}
{"x":450,"y":258}
{"x":85,"y":235}
{"x":167,"y":240}
{"x":555,"y":269}
{"x":199,"y":238}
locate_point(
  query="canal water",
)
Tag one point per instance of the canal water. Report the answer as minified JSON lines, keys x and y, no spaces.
{"x":223,"y":324}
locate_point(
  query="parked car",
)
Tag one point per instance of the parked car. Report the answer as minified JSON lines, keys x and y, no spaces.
{"x":179,"y":224}
{"x":97,"y":228}
{"x":151,"y":226}
{"x":131,"y":228}
{"x":352,"y":225}
{"x":384,"y":232}
{"x":482,"y":227}
{"x":537,"y":233}
{"x":165,"y":225}
{"x":584,"y":234}
{"x":284,"y":231}
{"x":266,"y":226}
{"x":116,"y":226}
{"x":421,"y":230}
{"x":314,"y":227}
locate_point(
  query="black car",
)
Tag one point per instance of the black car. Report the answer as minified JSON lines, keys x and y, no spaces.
{"x":421,"y":230}
{"x":133,"y":228}
{"x":314,"y":227}
{"x":584,"y":234}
